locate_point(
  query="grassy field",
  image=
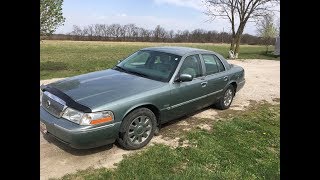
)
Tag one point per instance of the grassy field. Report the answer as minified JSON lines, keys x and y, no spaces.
{"x":68,"y":58}
{"x":246,"y":146}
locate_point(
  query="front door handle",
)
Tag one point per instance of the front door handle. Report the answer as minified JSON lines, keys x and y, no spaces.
{"x":225,"y":78}
{"x":204,"y":84}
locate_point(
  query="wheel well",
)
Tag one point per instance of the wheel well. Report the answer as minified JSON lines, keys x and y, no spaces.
{"x":234,"y":84}
{"x":153,"y":108}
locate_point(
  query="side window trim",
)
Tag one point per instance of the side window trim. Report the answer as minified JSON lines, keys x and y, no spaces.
{"x":220,"y":62}
{"x":204,"y":70}
{"x":201,"y":66}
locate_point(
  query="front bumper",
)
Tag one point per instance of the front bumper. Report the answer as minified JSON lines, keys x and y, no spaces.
{"x":76,"y":136}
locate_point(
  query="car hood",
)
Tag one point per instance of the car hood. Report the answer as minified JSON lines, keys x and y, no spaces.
{"x":98,"y":88}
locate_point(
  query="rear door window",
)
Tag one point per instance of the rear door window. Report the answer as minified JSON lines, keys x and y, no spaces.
{"x":212,"y":63}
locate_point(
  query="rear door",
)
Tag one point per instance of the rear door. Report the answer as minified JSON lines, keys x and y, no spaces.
{"x":216,"y":77}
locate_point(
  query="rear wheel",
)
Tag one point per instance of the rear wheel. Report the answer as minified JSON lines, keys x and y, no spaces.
{"x":157,"y":131}
{"x":225,"y":101}
{"x":137,"y":129}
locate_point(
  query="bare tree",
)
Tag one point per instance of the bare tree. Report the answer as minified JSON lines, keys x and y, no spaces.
{"x":115,"y":30}
{"x":238,"y":12}
{"x":131,"y":32}
{"x":146,"y":34}
{"x":267,"y":30}
{"x":91,"y":31}
{"x":85,"y":31}
{"x":197,"y":35}
{"x":77,"y":31}
{"x":135,"y":32}
{"x":104,"y":28}
{"x":138,"y":33}
{"x":110,"y":30}
{"x":159,"y":33}
{"x":98,"y":30}
{"x":171,"y":34}
{"x":185,"y":35}
{"x":122,"y":33}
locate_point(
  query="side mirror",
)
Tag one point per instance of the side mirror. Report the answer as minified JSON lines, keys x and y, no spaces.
{"x":185,"y":77}
{"x":119,"y":61}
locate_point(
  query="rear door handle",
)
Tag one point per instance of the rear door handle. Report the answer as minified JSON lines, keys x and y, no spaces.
{"x":225,"y":78}
{"x":204,"y":84}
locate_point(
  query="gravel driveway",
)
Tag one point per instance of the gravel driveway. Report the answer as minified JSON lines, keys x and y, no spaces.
{"x":56,"y":160}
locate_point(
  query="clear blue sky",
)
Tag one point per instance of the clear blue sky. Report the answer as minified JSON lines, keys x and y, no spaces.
{"x":170,"y":14}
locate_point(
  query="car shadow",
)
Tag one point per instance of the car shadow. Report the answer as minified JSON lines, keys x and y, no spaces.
{"x":175,"y":121}
{"x":76,"y":152}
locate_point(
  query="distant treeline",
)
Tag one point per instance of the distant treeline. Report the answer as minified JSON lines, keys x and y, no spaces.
{"x":130,"y":32}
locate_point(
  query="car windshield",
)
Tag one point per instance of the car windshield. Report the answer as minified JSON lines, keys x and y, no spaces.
{"x":150,"y":64}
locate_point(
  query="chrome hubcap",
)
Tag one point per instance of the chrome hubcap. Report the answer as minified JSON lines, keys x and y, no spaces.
{"x":227,"y":97}
{"x":139,"y":129}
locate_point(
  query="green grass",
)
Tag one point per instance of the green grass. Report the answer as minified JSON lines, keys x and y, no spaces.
{"x":69,"y":58}
{"x":243,"y":147}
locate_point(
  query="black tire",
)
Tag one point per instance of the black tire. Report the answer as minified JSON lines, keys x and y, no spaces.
{"x":226,"y":97}
{"x":137,"y":129}
{"x":157,"y":131}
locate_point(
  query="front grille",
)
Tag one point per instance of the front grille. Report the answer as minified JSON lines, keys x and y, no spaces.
{"x":53,"y":104}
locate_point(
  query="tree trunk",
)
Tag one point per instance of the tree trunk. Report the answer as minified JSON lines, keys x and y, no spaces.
{"x":232,"y":43}
{"x":238,"y":39}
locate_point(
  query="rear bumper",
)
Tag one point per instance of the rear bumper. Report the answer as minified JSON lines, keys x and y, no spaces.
{"x":76,"y":136}
{"x":240,"y":85}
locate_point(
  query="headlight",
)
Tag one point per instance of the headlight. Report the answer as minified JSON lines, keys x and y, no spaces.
{"x":73,"y":115}
{"x":87,"y":118}
{"x":97,"y":118}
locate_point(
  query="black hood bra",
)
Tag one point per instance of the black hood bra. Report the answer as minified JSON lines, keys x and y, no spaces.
{"x":69,"y":101}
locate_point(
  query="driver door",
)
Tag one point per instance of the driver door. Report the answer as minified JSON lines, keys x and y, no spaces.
{"x":188,"y":96}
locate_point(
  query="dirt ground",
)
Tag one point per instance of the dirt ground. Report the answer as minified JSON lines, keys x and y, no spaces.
{"x":56,"y":160}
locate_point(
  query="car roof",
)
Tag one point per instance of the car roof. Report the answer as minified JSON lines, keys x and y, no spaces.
{"x":178,"y":50}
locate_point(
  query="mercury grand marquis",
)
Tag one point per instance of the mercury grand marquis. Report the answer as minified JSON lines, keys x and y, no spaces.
{"x":129,"y":102}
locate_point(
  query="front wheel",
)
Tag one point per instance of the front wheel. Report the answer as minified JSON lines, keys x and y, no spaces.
{"x":226,"y":100}
{"x":137,"y":129}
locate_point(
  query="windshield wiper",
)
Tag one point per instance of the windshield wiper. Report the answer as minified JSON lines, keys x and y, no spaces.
{"x":121,"y":68}
{"x":131,"y":72}
{"x":139,"y":74}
